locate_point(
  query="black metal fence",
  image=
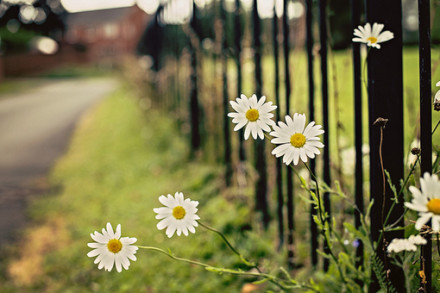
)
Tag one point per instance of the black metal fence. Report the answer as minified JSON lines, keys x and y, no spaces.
{"x":385,"y":100}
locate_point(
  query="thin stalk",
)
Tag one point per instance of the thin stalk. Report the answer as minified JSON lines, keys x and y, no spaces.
{"x":272,"y":279}
{"x":175,"y":257}
{"x":435,"y":128}
{"x":383,"y":176}
{"x":323,"y":222}
{"x":364,"y":66}
{"x":317,"y":192}
{"x":400,"y":192}
{"x":248,"y":263}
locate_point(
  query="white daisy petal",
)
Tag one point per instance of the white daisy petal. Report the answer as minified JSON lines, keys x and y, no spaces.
{"x":98,"y":237}
{"x":240,"y":124}
{"x":422,"y":220}
{"x":280,"y":150}
{"x":416,"y":207}
{"x":288,"y":157}
{"x":179,"y":219}
{"x":112,"y":250}
{"x":247,"y":132}
{"x":299,"y":122}
{"x":435,"y":224}
{"x":377,"y":28}
{"x":118,"y":263}
{"x":170,"y":230}
{"x":164,"y":200}
{"x":110,"y":230}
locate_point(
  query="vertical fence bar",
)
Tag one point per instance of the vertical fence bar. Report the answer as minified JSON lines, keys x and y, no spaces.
{"x":311,"y":80}
{"x":385,"y":91}
{"x":260,"y":155}
{"x":237,"y":46}
{"x":194,"y":95}
{"x":279,"y":163}
{"x":425,"y":126}
{"x":289,"y":175}
{"x":226,"y":131}
{"x":177,"y":80}
{"x":358,"y":133}
{"x":325,"y":115}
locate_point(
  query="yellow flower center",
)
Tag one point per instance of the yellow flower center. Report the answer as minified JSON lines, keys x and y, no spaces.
{"x":372,"y":40}
{"x":434,"y":206}
{"x":114,"y":245}
{"x":252,"y":115}
{"x":298,"y":140}
{"x":179,"y":212}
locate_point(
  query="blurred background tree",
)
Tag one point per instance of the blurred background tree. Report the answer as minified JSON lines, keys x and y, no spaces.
{"x":21,"y":20}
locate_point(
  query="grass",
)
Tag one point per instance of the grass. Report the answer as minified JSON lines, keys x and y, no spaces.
{"x":13,"y":86}
{"x":10,"y":86}
{"x":72,"y":71}
{"x":119,"y":162}
{"x":340,"y":85}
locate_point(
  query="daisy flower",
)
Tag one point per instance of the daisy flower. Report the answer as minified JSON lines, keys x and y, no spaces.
{"x":112,"y":249}
{"x":179,"y":214}
{"x":426,"y":201}
{"x":372,"y":36}
{"x":296,"y":140}
{"x":254,"y":114}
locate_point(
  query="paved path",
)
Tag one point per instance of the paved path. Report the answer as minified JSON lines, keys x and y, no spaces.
{"x":35,"y":128}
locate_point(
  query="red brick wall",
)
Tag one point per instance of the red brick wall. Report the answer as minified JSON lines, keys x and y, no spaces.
{"x":31,"y":63}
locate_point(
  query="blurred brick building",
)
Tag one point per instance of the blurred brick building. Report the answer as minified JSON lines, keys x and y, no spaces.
{"x":103,"y":34}
{"x":98,"y":36}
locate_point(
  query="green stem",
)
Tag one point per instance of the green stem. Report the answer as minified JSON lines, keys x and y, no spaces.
{"x":266,"y":135}
{"x":323,"y":221}
{"x":317,"y":192}
{"x":275,"y":280}
{"x":174,"y":257}
{"x":248,"y":263}
{"x":364,"y":78}
{"x":435,"y":128}
{"x":400,"y":192}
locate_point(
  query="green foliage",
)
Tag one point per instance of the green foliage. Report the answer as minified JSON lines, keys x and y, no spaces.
{"x":379,"y":271}
{"x":19,"y":40}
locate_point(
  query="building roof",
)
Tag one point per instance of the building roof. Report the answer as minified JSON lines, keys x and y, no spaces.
{"x":96,"y":17}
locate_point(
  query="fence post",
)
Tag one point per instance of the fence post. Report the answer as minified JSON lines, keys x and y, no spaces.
{"x":194,"y":96}
{"x":311,"y":80}
{"x":279,"y":163}
{"x":260,"y":155}
{"x":385,"y":91}
{"x":226,"y":131}
{"x":289,"y":176}
{"x":237,"y":44}
{"x":357,"y":87}
{"x":325,"y":115}
{"x":425,"y":126}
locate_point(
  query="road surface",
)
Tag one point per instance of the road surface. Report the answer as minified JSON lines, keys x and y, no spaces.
{"x":35,"y":128}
